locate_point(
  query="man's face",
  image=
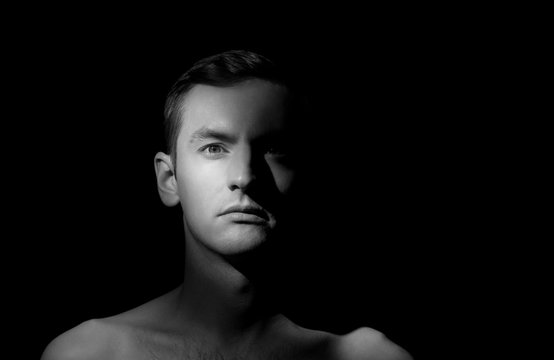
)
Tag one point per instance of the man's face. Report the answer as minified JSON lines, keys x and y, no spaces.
{"x":233,"y":168}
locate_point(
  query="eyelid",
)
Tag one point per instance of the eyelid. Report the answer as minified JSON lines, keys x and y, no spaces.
{"x":278,"y":149}
{"x":220,"y":145}
{"x":273,"y":151}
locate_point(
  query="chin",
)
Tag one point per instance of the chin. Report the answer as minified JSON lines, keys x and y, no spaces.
{"x":239,"y":241}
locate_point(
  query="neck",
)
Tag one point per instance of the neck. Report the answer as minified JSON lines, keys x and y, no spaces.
{"x":217,"y":298}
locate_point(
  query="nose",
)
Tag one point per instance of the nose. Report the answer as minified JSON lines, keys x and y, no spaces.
{"x":241,"y":173}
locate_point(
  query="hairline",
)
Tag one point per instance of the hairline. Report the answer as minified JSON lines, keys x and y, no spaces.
{"x":177,"y":110}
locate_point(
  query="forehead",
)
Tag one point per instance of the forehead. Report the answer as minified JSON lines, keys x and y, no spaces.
{"x":253,"y":107}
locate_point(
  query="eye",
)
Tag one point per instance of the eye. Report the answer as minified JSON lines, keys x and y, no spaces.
{"x":276,"y":150}
{"x":213,"y":149}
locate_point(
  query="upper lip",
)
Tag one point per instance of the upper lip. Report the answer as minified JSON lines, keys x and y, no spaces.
{"x":247,"y":209}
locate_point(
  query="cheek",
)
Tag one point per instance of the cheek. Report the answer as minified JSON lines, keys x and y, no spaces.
{"x":196,"y":186}
{"x":284,"y":177}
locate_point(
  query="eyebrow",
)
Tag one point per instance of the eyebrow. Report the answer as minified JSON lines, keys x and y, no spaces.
{"x":205,"y":133}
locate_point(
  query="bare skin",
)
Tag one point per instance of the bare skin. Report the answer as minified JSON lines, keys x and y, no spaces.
{"x":152,"y":332}
{"x":223,"y":163}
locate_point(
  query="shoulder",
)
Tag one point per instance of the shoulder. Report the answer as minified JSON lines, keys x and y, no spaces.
{"x":361,"y":344}
{"x":106,"y":338}
{"x":90,"y":340}
{"x":369,"y":344}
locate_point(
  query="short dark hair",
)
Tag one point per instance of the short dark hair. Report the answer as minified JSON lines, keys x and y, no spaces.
{"x":222,"y":70}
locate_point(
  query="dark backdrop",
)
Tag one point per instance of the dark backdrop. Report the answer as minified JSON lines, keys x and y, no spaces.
{"x":390,"y":225}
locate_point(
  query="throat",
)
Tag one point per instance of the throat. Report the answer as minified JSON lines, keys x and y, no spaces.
{"x":219,"y":298}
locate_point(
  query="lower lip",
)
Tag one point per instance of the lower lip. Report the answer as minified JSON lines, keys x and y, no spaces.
{"x":240,"y":217}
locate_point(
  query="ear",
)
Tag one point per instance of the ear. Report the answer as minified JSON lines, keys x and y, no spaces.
{"x":165,"y":175}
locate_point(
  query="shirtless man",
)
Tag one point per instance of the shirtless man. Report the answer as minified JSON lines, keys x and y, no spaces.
{"x":231,"y":166}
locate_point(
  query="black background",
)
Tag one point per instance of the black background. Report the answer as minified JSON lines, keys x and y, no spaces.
{"x":395,"y":215}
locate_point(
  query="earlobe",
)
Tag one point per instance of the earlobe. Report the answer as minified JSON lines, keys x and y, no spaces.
{"x":165,"y":175}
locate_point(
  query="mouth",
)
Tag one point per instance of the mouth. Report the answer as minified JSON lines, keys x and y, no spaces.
{"x":246,"y":214}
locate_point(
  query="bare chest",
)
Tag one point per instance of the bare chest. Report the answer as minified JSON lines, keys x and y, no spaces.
{"x":171,"y":348}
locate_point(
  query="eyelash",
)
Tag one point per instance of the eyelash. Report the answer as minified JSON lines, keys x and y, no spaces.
{"x":272,"y":150}
{"x":275,"y":150}
{"x":205,"y":149}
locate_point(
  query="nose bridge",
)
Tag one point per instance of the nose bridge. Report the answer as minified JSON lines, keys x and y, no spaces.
{"x":240,"y":170}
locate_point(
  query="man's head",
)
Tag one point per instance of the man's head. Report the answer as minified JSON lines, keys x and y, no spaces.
{"x":230,"y":124}
{"x":220,"y":70}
